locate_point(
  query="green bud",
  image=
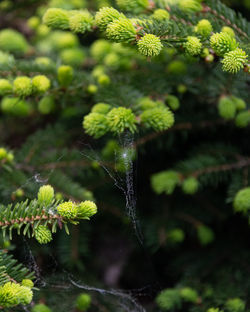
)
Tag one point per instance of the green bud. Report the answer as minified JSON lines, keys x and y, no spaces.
{"x":158,"y":118}
{"x":46,"y":105}
{"x":121,"y":118}
{"x":83,"y":302}
{"x":189,"y":294}
{"x":103,"y":80}
{"x":22,"y":86}
{"x":242,"y":120}
{"x":92,"y":89}
{"x":45,"y":194}
{"x":33,"y":22}
{"x":41,"y":308}
{"x":242,"y":200}
{"x":234,"y":61}
{"x":134,"y":6}
{"x":99,"y":49}
{"x":40,"y":84}
{"x":228,"y":30}
{"x":173,"y":102}
{"x":226,"y":107}
{"x":95,"y":124}
{"x":28,"y":283}
{"x":73,"y":56}
{"x":86,"y":209}
{"x":56,"y":18}
{"x":177,"y":67}
{"x":169,"y":299}
{"x":121,"y":30}
{"x":149,"y":45}
{"x":68,"y":210}
{"x":235,"y":305}
{"x":190,"y":185}
{"x":101,"y":108}
{"x":161,"y":15}
{"x":204,"y":28}
{"x":42,"y":234}
{"x":190,"y":6}
{"x":81,"y":21}
{"x":65,"y":75}
{"x":105,"y":16}
{"x":5,"y":87}
{"x":15,"y":106}
{"x":176,"y":235}
{"x":13,"y":41}
{"x":3,"y":153}
{"x":165,"y":181}
{"x":222,"y":43}
{"x":193,"y":46}
{"x":13,"y":294}
{"x":205,"y":234}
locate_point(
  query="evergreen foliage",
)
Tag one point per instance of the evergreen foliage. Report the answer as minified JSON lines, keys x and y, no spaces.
{"x":92,"y":93}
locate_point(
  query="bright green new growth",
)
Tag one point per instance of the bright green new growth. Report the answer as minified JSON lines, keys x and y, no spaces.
{"x":165,"y":181}
{"x":95,"y":124}
{"x":242,"y":120}
{"x":86,"y":209}
{"x":228,"y":30}
{"x":161,"y":15}
{"x":5,"y":156}
{"x":205,"y":234}
{"x":81,"y":21}
{"x":204,"y":28}
{"x":56,"y":18}
{"x":190,"y":6}
{"x":65,"y":75}
{"x":105,"y":16}
{"x":13,"y":41}
{"x":83,"y":302}
{"x":103,"y":80}
{"x":121,"y":30}
{"x":226,"y":108}
{"x":68,"y":210}
{"x":239,"y":103}
{"x":5,"y":87}
{"x":135,"y":6}
{"x":101,"y":108}
{"x":15,"y":106}
{"x":41,"y":308}
{"x":46,"y":105}
{"x":149,"y":45}
{"x":72,"y":56}
{"x":99,"y":49}
{"x":158,"y":118}
{"x":190,"y":185}
{"x":242,"y":200}
{"x":40,"y":84}
{"x":189,"y":294}
{"x":13,"y":294}
{"x":222,"y":43}
{"x":176,"y":235}
{"x":42,"y":234}
{"x":193,"y":46}
{"x":119,"y":119}
{"x":173,"y":102}
{"x":28,"y":283}
{"x":22,"y":86}
{"x":45,"y":194}
{"x":235,"y":305}
{"x":169,"y":299}
{"x":234,"y":61}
